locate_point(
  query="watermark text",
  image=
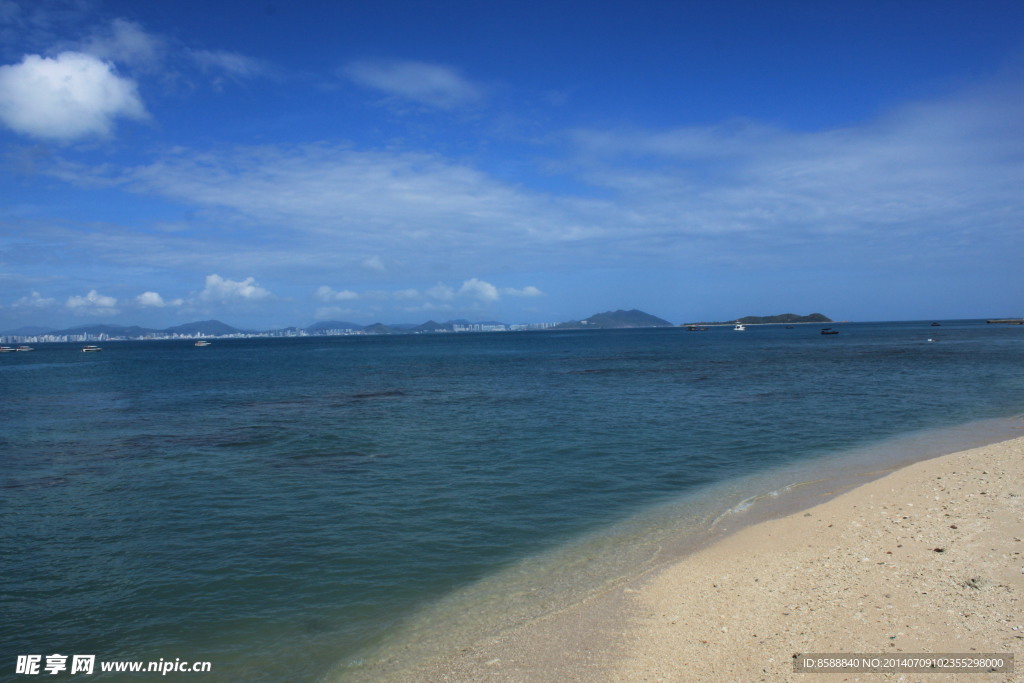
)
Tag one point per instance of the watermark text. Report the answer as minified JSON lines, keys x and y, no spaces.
{"x":31,"y":665}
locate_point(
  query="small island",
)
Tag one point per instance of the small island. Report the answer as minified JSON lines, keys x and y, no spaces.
{"x":615,"y":320}
{"x":781,"y":319}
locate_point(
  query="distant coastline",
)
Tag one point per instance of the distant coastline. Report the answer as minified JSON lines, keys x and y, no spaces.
{"x":215,"y":329}
{"x":209,"y":329}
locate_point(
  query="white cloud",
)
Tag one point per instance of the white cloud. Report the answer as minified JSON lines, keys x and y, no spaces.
{"x":34,"y":300}
{"x":150,"y":299}
{"x":223,"y":290}
{"x":529,"y":291}
{"x":70,"y":96}
{"x":934,"y":171}
{"x":478,"y":289}
{"x":93,"y":303}
{"x":434,"y":85}
{"x":327,"y":294}
{"x":408,"y":206}
{"x":126,"y":42}
{"x":154,"y":300}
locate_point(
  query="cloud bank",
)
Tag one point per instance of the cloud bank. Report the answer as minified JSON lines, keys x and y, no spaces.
{"x":473,"y":293}
{"x":947,"y":171}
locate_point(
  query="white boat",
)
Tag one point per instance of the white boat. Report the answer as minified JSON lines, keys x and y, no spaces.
{"x":740,"y":327}
{"x":90,"y":349}
{"x":24,"y":348}
{"x":202,"y":342}
{"x":6,"y":349}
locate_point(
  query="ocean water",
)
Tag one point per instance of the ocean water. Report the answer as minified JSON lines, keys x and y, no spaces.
{"x":298,"y":509}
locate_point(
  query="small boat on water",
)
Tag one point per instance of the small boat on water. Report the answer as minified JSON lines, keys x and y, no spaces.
{"x":24,"y":348}
{"x":829,"y":330}
{"x":936,"y":324}
{"x":202,"y":342}
{"x":740,"y":327}
{"x":696,"y":328}
{"x":6,"y":349}
{"x":90,"y":349}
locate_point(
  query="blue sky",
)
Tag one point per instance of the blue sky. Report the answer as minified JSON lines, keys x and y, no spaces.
{"x":272,"y":163}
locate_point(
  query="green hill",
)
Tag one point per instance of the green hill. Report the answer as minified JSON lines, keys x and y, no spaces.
{"x":613,"y":320}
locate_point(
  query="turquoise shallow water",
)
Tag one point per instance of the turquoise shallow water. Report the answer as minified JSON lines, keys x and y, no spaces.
{"x":282,"y":507}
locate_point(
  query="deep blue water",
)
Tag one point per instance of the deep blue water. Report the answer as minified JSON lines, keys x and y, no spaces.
{"x":277,"y":505}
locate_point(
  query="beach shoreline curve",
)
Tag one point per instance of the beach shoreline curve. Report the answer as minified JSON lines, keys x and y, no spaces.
{"x":928,"y":558}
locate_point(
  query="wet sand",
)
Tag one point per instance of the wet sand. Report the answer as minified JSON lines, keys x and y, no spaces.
{"x":929,"y":558}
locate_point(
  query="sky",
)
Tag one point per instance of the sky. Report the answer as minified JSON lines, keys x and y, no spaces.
{"x":271,"y":164}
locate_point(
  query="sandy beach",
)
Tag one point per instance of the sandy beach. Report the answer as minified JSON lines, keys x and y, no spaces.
{"x":929,"y":558}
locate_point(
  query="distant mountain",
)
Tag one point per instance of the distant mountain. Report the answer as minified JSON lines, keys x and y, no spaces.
{"x":613,"y":320}
{"x":787,"y":318}
{"x":212,"y":328}
{"x":109,"y":330}
{"x":323,"y":326}
{"x":433,"y":326}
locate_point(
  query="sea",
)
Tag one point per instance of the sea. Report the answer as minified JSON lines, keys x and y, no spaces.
{"x":337,"y":508}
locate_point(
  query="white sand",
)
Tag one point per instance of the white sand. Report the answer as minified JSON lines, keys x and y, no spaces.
{"x":929,"y":558}
{"x":860,"y":573}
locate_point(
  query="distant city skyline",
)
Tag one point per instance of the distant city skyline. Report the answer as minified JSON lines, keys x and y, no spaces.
{"x":274,"y":165}
{"x":117,"y":333}
{"x":608,"y":320}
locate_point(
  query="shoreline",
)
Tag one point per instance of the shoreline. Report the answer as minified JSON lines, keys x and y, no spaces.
{"x":857,"y":573}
